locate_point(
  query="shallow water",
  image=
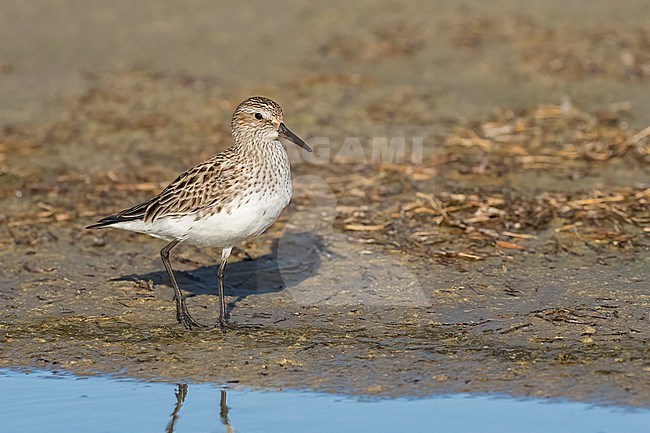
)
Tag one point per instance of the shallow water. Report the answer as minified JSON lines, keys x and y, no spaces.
{"x":32,"y":402}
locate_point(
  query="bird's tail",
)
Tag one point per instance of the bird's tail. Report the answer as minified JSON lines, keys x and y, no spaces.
{"x":108,"y":221}
{"x":135,"y":213}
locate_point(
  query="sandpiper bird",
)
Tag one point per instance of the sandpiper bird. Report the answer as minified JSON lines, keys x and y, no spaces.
{"x":233,"y":196}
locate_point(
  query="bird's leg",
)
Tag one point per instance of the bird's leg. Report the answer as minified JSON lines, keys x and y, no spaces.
{"x":182,"y":315}
{"x":164,"y":255}
{"x":225,"y":253}
{"x":223,"y":412}
{"x":181,"y":393}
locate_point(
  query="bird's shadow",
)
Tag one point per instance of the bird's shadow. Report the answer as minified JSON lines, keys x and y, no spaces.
{"x":293,"y":258}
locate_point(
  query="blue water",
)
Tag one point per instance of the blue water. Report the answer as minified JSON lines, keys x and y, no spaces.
{"x":43,"y":401}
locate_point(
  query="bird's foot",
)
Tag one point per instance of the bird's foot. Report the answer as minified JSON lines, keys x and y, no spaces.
{"x":188,"y":321}
{"x":224,"y":325}
{"x":184,"y":317}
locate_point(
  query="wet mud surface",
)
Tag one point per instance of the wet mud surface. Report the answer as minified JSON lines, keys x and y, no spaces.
{"x":510,"y":255}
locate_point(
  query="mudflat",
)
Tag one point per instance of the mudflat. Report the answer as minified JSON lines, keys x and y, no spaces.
{"x":475,"y":216}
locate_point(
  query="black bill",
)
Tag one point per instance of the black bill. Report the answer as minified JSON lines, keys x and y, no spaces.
{"x":284,"y":132}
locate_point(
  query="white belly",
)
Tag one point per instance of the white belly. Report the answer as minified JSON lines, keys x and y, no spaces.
{"x":233,"y":224}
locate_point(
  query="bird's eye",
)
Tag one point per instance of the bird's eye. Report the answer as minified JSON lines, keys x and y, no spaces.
{"x":258,"y":116}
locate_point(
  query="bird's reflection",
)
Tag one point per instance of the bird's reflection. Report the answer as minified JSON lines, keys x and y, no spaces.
{"x":223,"y":412}
{"x":181,"y":393}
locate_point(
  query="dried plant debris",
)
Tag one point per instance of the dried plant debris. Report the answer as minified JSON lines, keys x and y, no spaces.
{"x":574,"y":52}
{"x":450,"y":204}
{"x":551,"y":137}
{"x":420,"y":215}
{"x":579,"y":53}
{"x":490,"y":222}
{"x":396,"y":39}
